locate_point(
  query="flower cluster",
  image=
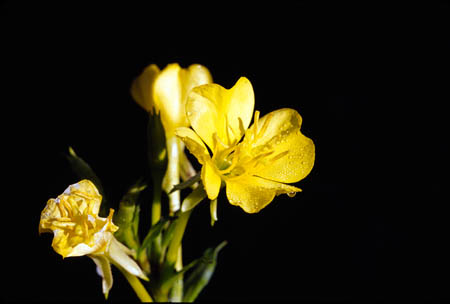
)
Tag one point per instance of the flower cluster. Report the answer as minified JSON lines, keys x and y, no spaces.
{"x":254,"y":162}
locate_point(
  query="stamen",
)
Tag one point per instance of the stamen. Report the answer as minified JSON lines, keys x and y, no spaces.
{"x":280,"y":155}
{"x":241,"y":128}
{"x":234,"y":162}
{"x":226,"y":130}
{"x":265,"y":125}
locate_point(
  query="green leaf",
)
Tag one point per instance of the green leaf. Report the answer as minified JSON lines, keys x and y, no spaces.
{"x":186,"y":184}
{"x":202,"y":273}
{"x":170,"y":275}
{"x":154,"y":231}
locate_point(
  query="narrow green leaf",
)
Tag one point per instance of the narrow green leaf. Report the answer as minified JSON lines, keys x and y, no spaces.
{"x":168,"y":235}
{"x":186,"y":184}
{"x":154,"y":231}
{"x":202,"y":273}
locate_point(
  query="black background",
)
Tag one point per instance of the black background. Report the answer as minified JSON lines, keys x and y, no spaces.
{"x":371,"y":83}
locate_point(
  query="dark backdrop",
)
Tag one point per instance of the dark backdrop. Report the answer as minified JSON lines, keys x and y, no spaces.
{"x":371,"y":83}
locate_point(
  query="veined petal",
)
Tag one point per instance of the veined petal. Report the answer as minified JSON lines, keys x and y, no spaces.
{"x":103,"y":270}
{"x":253,"y":193}
{"x":213,"y":109}
{"x":211,"y":180}
{"x":240,"y":107}
{"x":193,"y":142}
{"x":293,"y":154}
{"x":142,"y":87}
{"x":202,"y":112}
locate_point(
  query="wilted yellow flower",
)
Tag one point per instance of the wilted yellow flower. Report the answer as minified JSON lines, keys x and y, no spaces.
{"x":165,"y":91}
{"x":78,"y":230}
{"x":272,"y":152}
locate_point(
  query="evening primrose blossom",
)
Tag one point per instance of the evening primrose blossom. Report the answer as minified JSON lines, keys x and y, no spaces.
{"x":165,"y":92}
{"x":272,"y":152}
{"x":78,"y":231}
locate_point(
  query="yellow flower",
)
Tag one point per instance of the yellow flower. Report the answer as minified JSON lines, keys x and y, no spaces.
{"x":254,"y":170}
{"x":78,"y":230}
{"x":165,"y":91}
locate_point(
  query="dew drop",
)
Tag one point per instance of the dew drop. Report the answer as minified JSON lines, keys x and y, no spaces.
{"x":291,"y":194}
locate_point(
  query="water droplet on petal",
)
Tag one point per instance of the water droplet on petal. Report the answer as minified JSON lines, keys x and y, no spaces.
{"x":291,"y":194}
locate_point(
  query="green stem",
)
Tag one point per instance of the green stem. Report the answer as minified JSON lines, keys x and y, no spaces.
{"x":156,"y":216}
{"x":156,"y":205}
{"x":137,"y":286}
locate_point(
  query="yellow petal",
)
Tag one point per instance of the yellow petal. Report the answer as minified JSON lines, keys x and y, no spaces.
{"x":211,"y":180}
{"x":192,"y":77}
{"x":293,"y":154}
{"x":119,"y":255}
{"x":103,"y":270}
{"x":240,"y":107}
{"x":142,"y":87}
{"x":194,"y":144}
{"x":170,"y":91}
{"x":253,"y":193}
{"x":213,"y":109}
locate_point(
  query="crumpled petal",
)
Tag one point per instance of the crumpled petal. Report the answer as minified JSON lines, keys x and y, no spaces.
{"x":253,"y":193}
{"x":142,"y":87}
{"x":103,"y":270}
{"x":211,"y":180}
{"x":194,"y":144}
{"x":293,"y":154}
{"x":73,"y":218}
{"x":213,"y":109}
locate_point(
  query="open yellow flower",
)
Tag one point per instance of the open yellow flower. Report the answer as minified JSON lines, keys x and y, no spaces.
{"x":165,"y":91}
{"x":273,"y":151}
{"x":78,"y":230}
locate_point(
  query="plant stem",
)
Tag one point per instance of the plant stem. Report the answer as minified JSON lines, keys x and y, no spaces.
{"x":137,"y":286}
{"x":156,"y":216}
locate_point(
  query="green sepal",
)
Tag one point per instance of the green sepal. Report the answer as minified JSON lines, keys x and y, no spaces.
{"x":127,"y":217}
{"x":84,"y":171}
{"x":202,"y":273}
{"x":186,"y":184}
